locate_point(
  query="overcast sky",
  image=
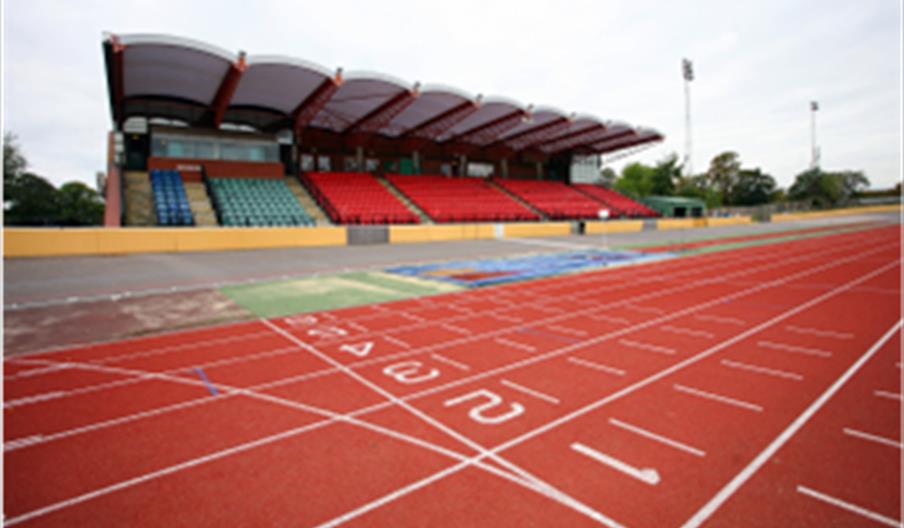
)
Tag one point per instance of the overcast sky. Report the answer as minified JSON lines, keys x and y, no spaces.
{"x":758,"y":64}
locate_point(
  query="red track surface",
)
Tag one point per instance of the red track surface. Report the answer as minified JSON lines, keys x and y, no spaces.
{"x":754,"y":387}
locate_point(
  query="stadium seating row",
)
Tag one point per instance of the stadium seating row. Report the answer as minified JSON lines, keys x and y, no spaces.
{"x":170,"y":201}
{"x":357,"y":198}
{"x":458,"y":199}
{"x":257,"y":202}
{"x":556,"y":200}
{"x":619,"y":205}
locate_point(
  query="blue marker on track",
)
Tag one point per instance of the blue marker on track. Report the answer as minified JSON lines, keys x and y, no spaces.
{"x":210,"y":387}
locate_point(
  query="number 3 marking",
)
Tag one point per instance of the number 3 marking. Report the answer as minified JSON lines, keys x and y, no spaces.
{"x":405,"y":372}
{"x":476,"y":412}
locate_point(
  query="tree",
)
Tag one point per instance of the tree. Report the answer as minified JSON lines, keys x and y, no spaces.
{"x":665,"y":174}
{"x":753,"y":187}
{"x":698,"y":187}
{"x":608,"y":176}
{"x":30,"y":200}
{"x":723,"y":173}
{"x":13,"y":161}
{"x":635,"y":180}
{"x":825,"y":189}
{"x":80,"y":205}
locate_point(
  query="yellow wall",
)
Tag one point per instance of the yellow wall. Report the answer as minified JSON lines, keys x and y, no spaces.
{"x":680,"y":223}
{"x":537,"y":230}
{"x":618,"y":226}
{"x":784,"y":217}
{"x":733,"y":220}
{"x":99,"y":241}
{"x":431,"y":233}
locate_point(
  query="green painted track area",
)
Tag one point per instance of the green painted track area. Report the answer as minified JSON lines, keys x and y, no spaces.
{"x":273,"y":299}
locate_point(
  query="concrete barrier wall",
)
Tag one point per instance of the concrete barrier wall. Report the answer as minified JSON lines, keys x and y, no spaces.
{"x":617,"y":226}
{"x":401,"y":234}
{"x":680,"y":223}
{"x":28,"y":242}
{"x":785,"y":217}
{"x":732,"y":220}
{"x":537,"y":230}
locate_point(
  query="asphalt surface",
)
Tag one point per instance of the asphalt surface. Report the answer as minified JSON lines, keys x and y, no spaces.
{"x":41,"y":281}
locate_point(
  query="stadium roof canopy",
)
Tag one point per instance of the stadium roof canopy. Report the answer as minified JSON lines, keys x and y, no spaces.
{"x":205,"y":86}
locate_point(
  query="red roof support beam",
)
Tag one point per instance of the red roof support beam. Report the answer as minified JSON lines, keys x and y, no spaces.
{"x":607,"y":146}
{"x":544,"y":131}
{"x":383,"y":114}
{"x":314,"y":103}
{"x":227,"y":88}
{"x":436,"y":126}
{"x":595,"y":139}
{"x":570,"y":138}
{"x":489,"y":130}
{"x":114,"y":51}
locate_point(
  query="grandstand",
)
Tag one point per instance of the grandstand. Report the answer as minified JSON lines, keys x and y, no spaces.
{"x":232,"y":139}
{"x":619,"y":205}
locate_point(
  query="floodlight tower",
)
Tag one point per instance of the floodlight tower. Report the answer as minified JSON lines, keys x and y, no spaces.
{"x":687,"y":69}
{"x":814,"y":150}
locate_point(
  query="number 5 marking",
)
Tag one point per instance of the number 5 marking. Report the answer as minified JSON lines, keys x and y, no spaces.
{"x":476,"y":412}
{"x":405,"y":371}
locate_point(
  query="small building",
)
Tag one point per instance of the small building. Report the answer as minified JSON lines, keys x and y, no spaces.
{"x":676,"y":206}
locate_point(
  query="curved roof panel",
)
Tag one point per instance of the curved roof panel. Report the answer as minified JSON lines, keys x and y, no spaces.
{"x":204,"y":85}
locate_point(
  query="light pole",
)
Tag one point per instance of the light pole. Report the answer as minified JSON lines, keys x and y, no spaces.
{"x":687,"y":70}
{"x":814,"y":150}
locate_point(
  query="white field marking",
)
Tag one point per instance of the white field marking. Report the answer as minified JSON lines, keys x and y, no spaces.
{"x":818,"y":332}
{"x":514,"y":344}
{"x":529,"y":482}
{"x":888,"y":395}
{"x":627,"y":390}
{"x":21,"y":442}
{"x":687,"y":331}
{"x":609,"y":319}
{"x":354,"y":325}
{"x":452,"y":362}
{"x":871,"y":437}
{"x":178,"y":348}
{"x":648,"y":347}
{"x":646,"y":475}
{"x":508,"y":318}
{"x":853,"y":508}
{"x":391,"y":398}
{"x":718,"y":397}
{"x":596,"y":366}
{"x":456,"y":329}
{"x":28,"y":400}
{"x":729,"y":489}
{"x":412,"y":317}
{"x":566,"y":330}
{"x":658,"y":438}
{"x":530,"y":392}
{"x":762,"y":370}
{"x":795,"y":349}
{"x":720,"y":319}
{"x":396,"y":341}
{"x":644,"y":309}
{"x":35,"y":372}
{"x":294,"y":379}
{"x":639,"y":273}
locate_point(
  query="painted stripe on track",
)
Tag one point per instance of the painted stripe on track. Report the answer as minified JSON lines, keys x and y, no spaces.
{"x":596,"y":366}
{"x":646,"y":475}
{"x":762,"y":370}
{"x":794,"y":349}
{"x":648,"y":347}
{"x":887,"y":395}
{"x":844,"y":505}
{"x":871,"y":437}
{"x":531,"y":392}
{"x":718,"y":398}
{"x":818,"y":332}
{"x":657,"y":437}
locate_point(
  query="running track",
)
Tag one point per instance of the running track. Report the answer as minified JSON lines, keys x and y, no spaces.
{"x":758,"y":387}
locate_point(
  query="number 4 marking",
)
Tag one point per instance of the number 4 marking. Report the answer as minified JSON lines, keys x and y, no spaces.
{"x":359,"y":349}
{"x":476,"y":412}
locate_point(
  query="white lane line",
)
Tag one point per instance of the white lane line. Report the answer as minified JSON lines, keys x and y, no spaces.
{"x":762,"y":370}
{"x":718,"y":397}
{"x":888,"y":395}
{"x":514,"y":344}
{"x":530,"y":392}
{"x":844,"y":505}
{"x":508,"y":318}
{"x":356,"y":326}
{"x":646,"y":346}
{"x":871,"y":437}
{"x":729,"y":489}
{"x":447,"y":361}
{"x":21,"y":442}
{"x":795,"y":349}
{"x":644,"y":309}
{"x":609,"y":319}
{"x":456,"y":329}
{"x":28,"y":400}
{"x":658,"y":438}
{"x":412,"y":317}
{"x":36,"y":372}
{"x":396,"y":341}
{"x":566,"y":330}
{"x":720,"y":319}
{"x":596,"y":366}
{"x":687,"y":331}
{"x":646,"y":475}
{"x":818,"y":332}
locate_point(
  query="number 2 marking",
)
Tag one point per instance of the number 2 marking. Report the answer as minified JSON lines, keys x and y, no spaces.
{"x":477,"y":412}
